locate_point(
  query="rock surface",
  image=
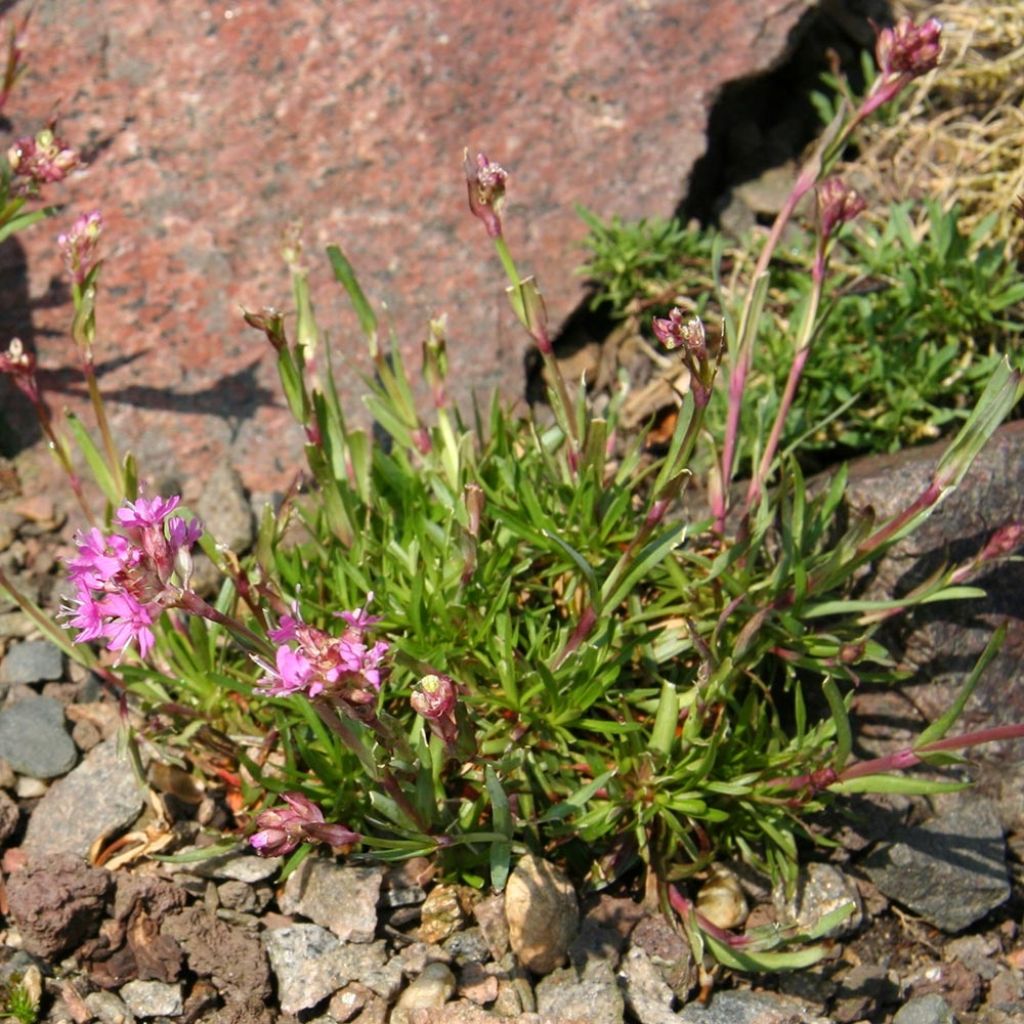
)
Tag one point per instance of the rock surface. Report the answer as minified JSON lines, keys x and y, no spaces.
{"x":339,"y":897}
{"x":57,"y":905}
{"x":211,"y":132}
{"x":961,"y":852}
{"x":32,"y":661}
{"x":542,"y":913}
{"x":95,"y":800}
{"x":34,"y":740}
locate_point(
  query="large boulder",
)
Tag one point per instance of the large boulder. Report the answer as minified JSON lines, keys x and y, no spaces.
{"x":211,"y":129}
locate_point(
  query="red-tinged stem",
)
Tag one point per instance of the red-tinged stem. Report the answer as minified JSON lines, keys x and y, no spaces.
{"x":587,"y":622}
{"x":901,"y":759}
{"x":744,"y":357}
{"x":685,"y":908}
{"x":191,"y":602}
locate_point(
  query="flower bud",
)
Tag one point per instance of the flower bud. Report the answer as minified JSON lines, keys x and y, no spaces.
{"x":79,"y":245}
{"x":434,"y":698}
{"x":485,"y":182}
{"x":909,"y":49}
{"x":837,"y":204}
{"x":42,"y":159}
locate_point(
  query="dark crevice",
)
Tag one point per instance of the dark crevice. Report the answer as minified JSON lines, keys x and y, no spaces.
{"x":756,"y":124}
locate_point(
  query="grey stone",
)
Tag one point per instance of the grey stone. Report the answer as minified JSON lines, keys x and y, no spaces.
{"x":432,"y":989}
{"x":108,"y":1008}
{"x":741,"y":1007}
{"x":467,"y":946}
{"x":337,"y":896}
{"x":242,"y":896}
{"x":820,"y":890}
{"x":100,"y":797}
{"x":648,"y":995}
{"x":961,"y":851}
{"x":237,"y":865}
{"x":310,"y":964}
{"x":33,"y":738}
{"x":942,"y":648}
{"x":32,"y":661}
{"x":595,"y":997}
{"x":152,"y":998}
{"x":225,"y":510}
{"x":542,"y":913}
{"x":929,"y":1009}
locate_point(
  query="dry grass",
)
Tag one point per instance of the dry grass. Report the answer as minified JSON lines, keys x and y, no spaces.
{"x":959,"y":136}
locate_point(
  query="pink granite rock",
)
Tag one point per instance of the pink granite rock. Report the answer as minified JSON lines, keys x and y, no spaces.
{"x":211,"y":127}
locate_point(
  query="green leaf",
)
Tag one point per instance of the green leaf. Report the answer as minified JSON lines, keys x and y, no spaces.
{"x":346,"y":276}
{"x":841,"y":721}
{"x":97,"y":464}
{"x":665,"y":721}
{"x":896,"y":784}
{"x":942,"y":725}
{"x":578,"y":800}
{"x":760,"y":962}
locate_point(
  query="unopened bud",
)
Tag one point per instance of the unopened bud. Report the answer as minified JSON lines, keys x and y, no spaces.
{"x":80,"y":245}
{"x":434,"y":697}
{"x":271,"y":323}
{"x":837,"y":204}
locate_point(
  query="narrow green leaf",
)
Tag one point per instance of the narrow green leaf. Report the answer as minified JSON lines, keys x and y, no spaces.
{"x":97,"y":464}
{"x":942,"y":725}
{"x":345,"y":275}
{"x":896,"y":784}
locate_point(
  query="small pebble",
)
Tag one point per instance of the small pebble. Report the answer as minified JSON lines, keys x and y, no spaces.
{"x":28,"y":788}
{"x":432,"y":989}
{"x":108,"y":1008}
{"x":152,"y":998}
{"x":32,"y":661}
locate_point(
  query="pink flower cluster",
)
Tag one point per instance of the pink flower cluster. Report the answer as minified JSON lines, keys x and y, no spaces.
{"x":281,"y":829}
{"x":486,"y":182}
{"x":124,"y":581}
{"x":42,"y":159}
{"x":80,"y":245}
{"x":345,"y":666}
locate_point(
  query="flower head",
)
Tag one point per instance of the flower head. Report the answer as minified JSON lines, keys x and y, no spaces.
{"x":20,"y":365}
{"x":435,"y":698}
{"x":909,"y":49}
{"x":348,"y":667}
{"x":125,"y":581}
{"x":837,"y":204}
{"x":80,"y":245}
{"x":687,"y":336}
{"x":41,"y":159}
{"x":485,"y":181}
{"x":282,"y":829}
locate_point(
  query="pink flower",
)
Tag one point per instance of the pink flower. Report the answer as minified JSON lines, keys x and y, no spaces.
{"x":292,"y":674}
{"x":42,"y":159}
{"x":909,"y":49}
{"x":124,"y":583}
{"x":127,"y":620}
{"x":144,"y":513}
{"x":282,"y":829}
{"x":347,"y":666}
{"x":80,"y":245}
{"x":485,"y":182}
